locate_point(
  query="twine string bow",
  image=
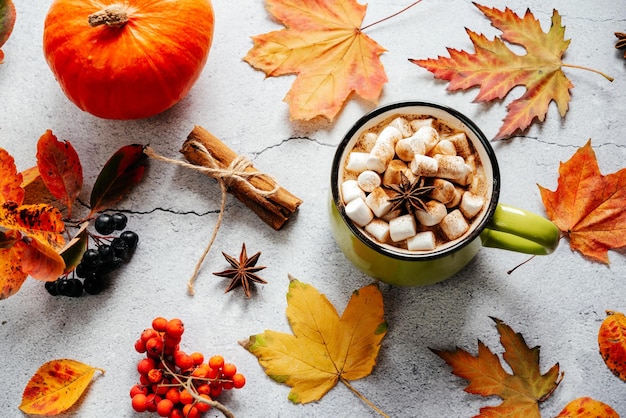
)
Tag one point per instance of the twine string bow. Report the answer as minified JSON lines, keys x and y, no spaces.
{"x":236,"y":172}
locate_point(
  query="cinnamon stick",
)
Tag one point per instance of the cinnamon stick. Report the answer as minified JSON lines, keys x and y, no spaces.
{"x":273,"y":209}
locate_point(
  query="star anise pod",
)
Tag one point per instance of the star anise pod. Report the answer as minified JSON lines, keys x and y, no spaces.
{"x":621,"y":41}
{"x":243,"y":271}
{"x":409,"y":194}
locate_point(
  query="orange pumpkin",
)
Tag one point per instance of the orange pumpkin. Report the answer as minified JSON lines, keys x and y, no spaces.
{"x":127,"y":59}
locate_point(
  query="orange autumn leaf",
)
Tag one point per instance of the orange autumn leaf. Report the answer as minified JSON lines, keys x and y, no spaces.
{"x":29,"y":176}
{"x":39,"y":260}
{"x":41,"y":221}
{"x":11,"y":275}
{"x":10,"y":180}
{"x":588,"y":208}
{"x":56,"y":386}
{"x":497,"y":70}
{"x":587,"y":408}
{"x":612,"y":342}
{"x":60,"y":169}
{"x":324,"y":45}
{"x":324,"y":348}
{"x":522,"y":391}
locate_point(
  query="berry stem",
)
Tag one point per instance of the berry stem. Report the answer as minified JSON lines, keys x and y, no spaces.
{"x":391,"y":16}
{"x":363,"y":398}
{"x":191,"y":389}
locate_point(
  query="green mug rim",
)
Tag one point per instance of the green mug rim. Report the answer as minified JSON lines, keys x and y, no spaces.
{"x":470,"y":125}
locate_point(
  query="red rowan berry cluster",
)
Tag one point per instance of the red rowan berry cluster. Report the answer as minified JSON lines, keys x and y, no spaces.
{"x":176,"y":384}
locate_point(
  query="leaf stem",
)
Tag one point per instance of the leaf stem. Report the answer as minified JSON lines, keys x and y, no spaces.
{"x":389,"y":17}
{"x":363,"y":398}
{"x":608,"y":77}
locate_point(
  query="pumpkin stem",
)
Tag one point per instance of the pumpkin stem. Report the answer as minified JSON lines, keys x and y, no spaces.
{"x":114,"y":16}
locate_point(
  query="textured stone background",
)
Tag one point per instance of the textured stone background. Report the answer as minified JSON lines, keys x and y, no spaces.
{"x":557,"y":302}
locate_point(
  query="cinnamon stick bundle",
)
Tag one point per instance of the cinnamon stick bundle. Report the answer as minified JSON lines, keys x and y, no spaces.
{"x":274,"y":208}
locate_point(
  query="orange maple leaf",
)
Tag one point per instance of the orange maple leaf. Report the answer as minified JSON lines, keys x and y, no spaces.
{"x":324,"y":45}
{"x":588,"y":208}
{"x":521,"y":391}
{"x":497,"y":69}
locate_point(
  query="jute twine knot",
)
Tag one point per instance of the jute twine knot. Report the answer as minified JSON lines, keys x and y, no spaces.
{"x":236,"y":172}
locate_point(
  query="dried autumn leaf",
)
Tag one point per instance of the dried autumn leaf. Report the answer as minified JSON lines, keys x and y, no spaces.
{"x":29,"y":176}
{"x":120,"y":173}
{"x":7,"y":21}
{"x":497,"y":69}
{"x":39,"y":260}
{"x":324,"y":347}
{"x":612,"y":342}
{"x":588,"y":208}
{"x":56,"y":386}
{"x":324,"y":45}
{"x":40,"y":221}
{"x":10,"y":180}
{"x":521,"y":391}
{"x":587,"y":408}
{"x":11,"y":275}
{"x":60,"y":169}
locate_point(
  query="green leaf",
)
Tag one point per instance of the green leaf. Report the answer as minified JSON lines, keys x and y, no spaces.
{"x":7,"y":21}
{"x":119,"y":174}
{"x":73,"y":251}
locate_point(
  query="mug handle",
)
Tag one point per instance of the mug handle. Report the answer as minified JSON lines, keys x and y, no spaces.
{"x":518,"y":230}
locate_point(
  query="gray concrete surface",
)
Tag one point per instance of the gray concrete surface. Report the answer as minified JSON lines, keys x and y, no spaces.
{"x":556,"y":302}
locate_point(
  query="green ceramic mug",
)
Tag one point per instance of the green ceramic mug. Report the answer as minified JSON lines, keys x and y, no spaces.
{"x":498,"y":225}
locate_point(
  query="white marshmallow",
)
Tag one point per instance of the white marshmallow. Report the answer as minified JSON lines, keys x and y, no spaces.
{"x":454,"y":225}
{"x":402,"y":125}
{"x":402,"y":227}
{"x":359,"y":212}
{"x":357,"y":161}
{"x":392,"y":173}
{"x":404,"y":151}
{"x":471,"y":204}
{"x":478,"y":185}
{"x":429,"y":135}
{"x":444,"y":147}
{"x":434,"y":213}
{"x":378,"y":202}
{"x":444,"y":191}
{"x":458,"y":195}
{"x":380,"y":156}
{"x":416,"y":124}
{"x":424,"y":166}
{"x":389,"y":134}
{"x":422,"y":241}
{"x":350,"y":190}
{"x":453,"y":168}
{"x":367,"y":141}
{"x":368,"y":180}
{"x":379,"y":229}
{"x":461,"y":144}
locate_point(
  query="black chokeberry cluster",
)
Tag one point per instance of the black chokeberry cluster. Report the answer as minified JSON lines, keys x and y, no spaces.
{"x":96,"y":264}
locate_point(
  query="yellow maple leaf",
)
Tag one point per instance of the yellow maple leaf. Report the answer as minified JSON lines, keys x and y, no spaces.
{"x":324,"y":45}
{"x":324,"y":347}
